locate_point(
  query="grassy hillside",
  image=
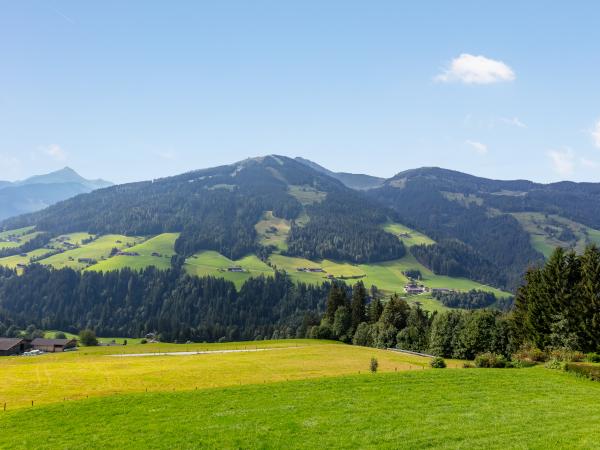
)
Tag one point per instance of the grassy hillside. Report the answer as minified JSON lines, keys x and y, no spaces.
{"x":211,"y":263}
{"x":477,"y":408}
{"x":156,"y":251}
{"x":91,"y":372}
{"x":273,"y":230}
{"x":98,"y":250}
{"x":549,"y":231}
{"x":16,"y":238}
{"x":407,"y":235}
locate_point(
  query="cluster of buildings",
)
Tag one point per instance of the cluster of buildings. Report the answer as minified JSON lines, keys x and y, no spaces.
{"x":18,"y":346}
{"x":414,"y":288}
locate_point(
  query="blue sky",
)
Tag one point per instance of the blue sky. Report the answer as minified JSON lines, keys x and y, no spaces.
{"x":142,"y":89}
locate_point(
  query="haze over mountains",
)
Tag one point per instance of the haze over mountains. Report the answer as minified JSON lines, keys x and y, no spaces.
{"x":40,"y":191}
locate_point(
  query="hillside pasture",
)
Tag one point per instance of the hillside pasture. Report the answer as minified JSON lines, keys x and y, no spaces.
{"x":12,"y":262}
{"x":407,"y":235}
{"x":98,"y":250}
{"x":273,"y":230}
{"x":211,"y":263}
{"x":546,"y":230}
{"x":92,"y":372}
{"x":476,"y":408}
{"x":156,"y":251}
{"x":16,"y":238}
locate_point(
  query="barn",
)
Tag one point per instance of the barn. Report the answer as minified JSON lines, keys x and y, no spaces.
{"x":12,"y":346}
{"x":53,"y":345}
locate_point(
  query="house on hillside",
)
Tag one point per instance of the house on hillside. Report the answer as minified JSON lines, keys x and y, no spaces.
{"x":414,"y":289}
{"x":53,"y":345}
{"x":235,"y":269}
{"x":13,"y":346}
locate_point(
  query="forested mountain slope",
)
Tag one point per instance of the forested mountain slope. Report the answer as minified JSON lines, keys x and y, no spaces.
{"x":218,"y":208}
{"x":484,"y":215}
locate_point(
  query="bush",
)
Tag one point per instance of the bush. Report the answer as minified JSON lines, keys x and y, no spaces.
{"x":593,"y":358}
{"x":490,"y":360}
{"x":468,"y":365}
{"x":374,"y":365}
{"x":143,"y":341}
{"x":60,"y":335}
{"x":583,"y":370}
{"x":566,"y":355}
{"x":438,"y":363}
{"x":530,"y":353}
{"x":88,"y":338}
{"x":555,"y":364}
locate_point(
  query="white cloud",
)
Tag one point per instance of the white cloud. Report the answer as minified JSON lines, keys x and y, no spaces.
{"x":596,"y":134}
{"x":471,"y":69}
{"x":563,"y":162}
{"x":54,"y":151}
{"x":478,"y":147}
{"x":515,"y":122}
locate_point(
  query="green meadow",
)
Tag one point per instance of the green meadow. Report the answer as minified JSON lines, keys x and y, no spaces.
{"x":156,"y":251}
{"x":211,"y":263}
{"x":455,"y":409}
{"x":99,"y":249}
{"x":407,"y":235}
{"x":544,"y":231}
{"x":16,"y":238}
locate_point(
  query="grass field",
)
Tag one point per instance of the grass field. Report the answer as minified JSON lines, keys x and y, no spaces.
{"x":91,"y":372}
{"x":98,"y":250}
{"x":210,"y":263}
{"x":273,"y":230}
{"x":475,"y":408}
{"x":408,"y":236}
{"x":16,"y":238}
{"x":307,"y":195}
{"x":544,"y":231}
{"x":163,"y":245}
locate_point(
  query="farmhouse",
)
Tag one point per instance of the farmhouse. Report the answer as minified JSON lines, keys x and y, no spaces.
{"x":53,"y":345}
{"x":10,"y":346}
{"x":310,"y":269}
{"x":235,"y":269}
{"x":414,"y":289}
{"x":128,"y":254}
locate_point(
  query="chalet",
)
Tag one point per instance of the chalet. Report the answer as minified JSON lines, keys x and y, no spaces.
{"x":12,"y":346}
{"x":128,"y":254}
{"x":53,"y":345}
{"x":86,"y":260}
{"x":310,"y":269}
{"x":158,"y":255}
{"x":235,"y":269}
{"x":414,"y":289}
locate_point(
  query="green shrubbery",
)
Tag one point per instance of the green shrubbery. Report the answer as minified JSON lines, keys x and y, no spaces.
{"x":491,"y":361}
{"x":583,"y":370}
{"x":593,"y":358}
{"x":438,"y":363}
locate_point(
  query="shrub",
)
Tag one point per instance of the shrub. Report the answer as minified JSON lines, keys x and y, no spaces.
{"x":490,"y":360}
{"x":143,"y":341}
{"x":374,"y":365}
{"x":60,"y":335}
{"x":530,"y":353}
{"x":566,"y":355}
{"x":593,"y":358}
{"x":555,"y":364}
{"x":468,"y":365}
{"x":583,"y":370}
{"x":438,"y":363}
{"x":88,"y":338}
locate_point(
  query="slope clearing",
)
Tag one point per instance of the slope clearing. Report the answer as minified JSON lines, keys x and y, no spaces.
{"x":156,"y":251}
{"x":477,"y":408}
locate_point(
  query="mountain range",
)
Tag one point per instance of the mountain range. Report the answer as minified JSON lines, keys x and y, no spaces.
{"x":486,"y":230}
{"x":41,"y":191}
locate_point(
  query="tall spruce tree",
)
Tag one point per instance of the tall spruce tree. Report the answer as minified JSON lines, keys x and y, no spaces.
{"x":357,"y":306}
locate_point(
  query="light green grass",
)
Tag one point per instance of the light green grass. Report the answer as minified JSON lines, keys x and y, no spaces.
{"x":211,"y":263}
{"x":163,"y":244}
{"x":273,"y":230}
{"x":451,"y":409}
{"x":98,"y":250}
{"x":307,"y":195}
{"x":90,"y":371}
{"x":537,"y":225}
{"x":16,"y":238}
{"x":13,"y":261}
{"x":407,"y":235}
{"x":387,"y":276}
